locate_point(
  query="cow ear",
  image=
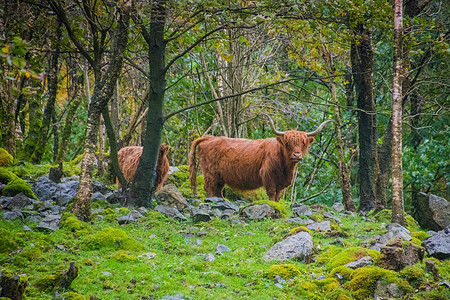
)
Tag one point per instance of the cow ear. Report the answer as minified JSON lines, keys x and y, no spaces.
{"x":280,"y":139}
{"x":310,"y":140}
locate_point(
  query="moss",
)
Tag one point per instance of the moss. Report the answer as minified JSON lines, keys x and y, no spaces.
{"x":7,"y":241}
{"x":14,"y":185}
{"x":420,"y":235}
{"x":296,"y":230}
{"x":114,"y":239}
{"x":284,"y":271}
{"x":439,"y":293}
{"x":88,"y":262}
{"x":181,"y":179}
{"x":6,"y":159}
{"x":412,"y":224}
{"x":382,"y":216}
{"x":71,"y":223}
{"x":252,"y":195}
{"x":47,"y":282}
{"x":345,"y":272}
{"x":99,"y":204}
{"x":364,"y":281}
{"x":123,"y":257}
{"x":108,"y":211}
{"x":352,"y":254}
{"x":308,"y":286}
{"x":123,"y":211}
{"x":74,"y":296}
{"x":415,"y":275}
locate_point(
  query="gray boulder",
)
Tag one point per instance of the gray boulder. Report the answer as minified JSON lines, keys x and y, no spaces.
{"x":18,"y":201}
{"x":432,"y":212}
{"x":300,"y":221}
{"x":297,"y":247}
{"x":220,"y":249}
{"x":320,"y":226}
{"x":125,"y":220}
{"x":224,"y":205}
{"x":301,"y":210}
{"x":169,"y":195}
{"x":438,"y":245}
{"x":12,"y":215}
{"x":97,"y":196}
{"x":170,"y":212}
{"x":360,"y":263}
{"x":385,"y":290}
{"x":338,"y":207}
{"x":259,"y":212}
{"x":330,"y":215}
{"x":200,"y":215}
{"x":395,"y":231}
{"x":50,"y":222}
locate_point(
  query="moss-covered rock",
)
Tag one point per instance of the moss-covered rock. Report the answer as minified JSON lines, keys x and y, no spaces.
{"x":70,"y":222}
{"x":12,"y":285}
{"x":345,"y":272}
{"x":364,"y":281}
{"x":123,"y":211}
{"x":112,"y":239}
{"x":419,"y":235}
{"x":352,"y":254}
{"x":296,"y":230}
{"x":285,"y":271}
{"x":14,"y":185}
{"x":123,"y":257}
{"x":415,"y":275}
{"x":412,"y":224}
{"x":6,"y":159}
{"x":275,"y":205}
{"x":181,"y":179}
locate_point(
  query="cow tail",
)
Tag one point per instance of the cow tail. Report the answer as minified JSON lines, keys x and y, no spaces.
{"x":193,"y":166}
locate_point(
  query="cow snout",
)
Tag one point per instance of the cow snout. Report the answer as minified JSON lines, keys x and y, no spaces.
{"x":296,"y":156}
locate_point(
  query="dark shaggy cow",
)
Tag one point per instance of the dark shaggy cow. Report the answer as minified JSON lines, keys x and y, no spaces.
{"x":245,"y":164}
{"x":129,"y":160}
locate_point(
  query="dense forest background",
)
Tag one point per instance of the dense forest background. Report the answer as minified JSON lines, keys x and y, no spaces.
{"x":89,"y":77}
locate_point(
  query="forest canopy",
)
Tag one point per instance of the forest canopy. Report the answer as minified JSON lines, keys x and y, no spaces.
{"x":82,"y":79}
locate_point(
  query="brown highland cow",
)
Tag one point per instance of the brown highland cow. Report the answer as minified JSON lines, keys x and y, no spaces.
{"x":129,"y":160}
{"x":245,"y":164}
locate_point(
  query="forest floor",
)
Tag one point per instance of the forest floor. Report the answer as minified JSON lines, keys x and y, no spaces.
{"x":162,"y":258}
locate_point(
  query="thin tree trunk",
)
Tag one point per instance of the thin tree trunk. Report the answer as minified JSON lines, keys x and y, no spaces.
{"x":101,"y":147}
{"x":113,"y":147}
{"x":398,"y":213}
{"x":103,"y":91}
{"x":362,"y":67}
{"x":142,"y":185}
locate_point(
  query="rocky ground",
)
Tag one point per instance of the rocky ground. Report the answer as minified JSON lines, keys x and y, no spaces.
{"x":216,"y":249}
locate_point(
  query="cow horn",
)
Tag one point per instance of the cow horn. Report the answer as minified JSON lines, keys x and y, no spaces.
{"x":272,"y":126}
{"x":319,"y":129}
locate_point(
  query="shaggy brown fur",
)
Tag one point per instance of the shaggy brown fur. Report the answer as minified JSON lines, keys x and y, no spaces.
{"x":129,"y":160}
{"x":246,"y":164}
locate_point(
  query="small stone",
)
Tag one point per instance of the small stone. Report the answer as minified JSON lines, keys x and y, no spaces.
{"x":148,"y":255}
{"x":106,"y":273}
{"x":26,"y":228}
{"x":279,"y":279}
{"x":220,"y":249}
{"x":12,"y":215}
{"x":152,"y":236}
{"x":320,"y":226}
{"x":221,"y":285}
{"x":302,"y":210}
{"x":360,"y":263}
{"x":278,"y":285}
{"x":329,"y":215}
{"x":338,"y":207}
{"x":209,"y":257}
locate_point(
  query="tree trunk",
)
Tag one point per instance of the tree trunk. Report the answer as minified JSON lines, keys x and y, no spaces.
{"x":52,"y":91}
{"x":101,"y":147}
{"x":398,"y":213}
{"x":113,"y":147}
{"x":362,"y":67}
{"x":103,"y":91}
{"x":142,"y":185}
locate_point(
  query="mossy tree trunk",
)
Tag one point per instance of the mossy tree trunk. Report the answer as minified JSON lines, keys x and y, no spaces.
{"x":142,"y":185}
{"x":104,"y":85}
{"x":362,"y":68}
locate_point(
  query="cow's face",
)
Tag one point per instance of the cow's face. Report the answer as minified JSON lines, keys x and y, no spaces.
{"x":295,"y":144}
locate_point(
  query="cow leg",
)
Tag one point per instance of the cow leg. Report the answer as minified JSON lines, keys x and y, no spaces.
{"x":214,"y":186}
{"x":271,"y":191}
